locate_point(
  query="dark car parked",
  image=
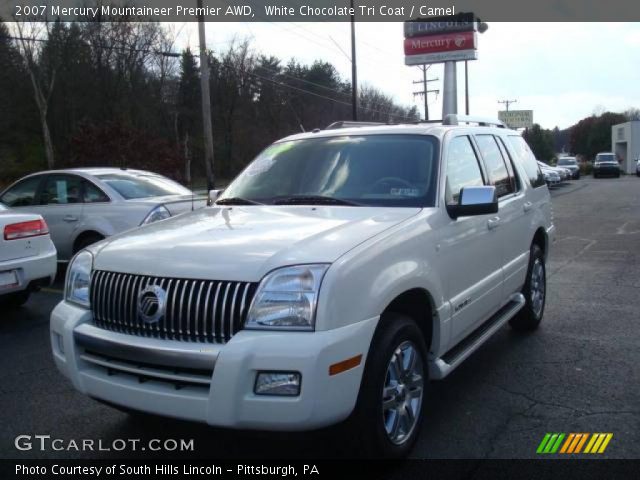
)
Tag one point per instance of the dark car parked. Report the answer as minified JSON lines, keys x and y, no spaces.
{"x":606,"y":163}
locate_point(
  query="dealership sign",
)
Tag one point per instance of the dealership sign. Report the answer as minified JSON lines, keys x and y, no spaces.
{"x":516,"y":118}
{"x":441,"y":39}
{"x":447,"y":42}
{"x":462,"y":22}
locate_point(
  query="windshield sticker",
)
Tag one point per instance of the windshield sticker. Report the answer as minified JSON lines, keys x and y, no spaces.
{"x":267,"y":159}
{"x":405,"y":192}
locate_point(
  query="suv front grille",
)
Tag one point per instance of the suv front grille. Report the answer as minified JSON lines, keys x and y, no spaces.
{"x":195,"y":310}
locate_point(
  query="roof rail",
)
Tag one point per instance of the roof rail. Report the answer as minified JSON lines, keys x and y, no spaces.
{"x":454,"y":119}
{"x":350,"y":124}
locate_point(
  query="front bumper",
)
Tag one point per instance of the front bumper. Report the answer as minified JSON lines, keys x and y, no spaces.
{"x":607,"y":170}
{"x":40,"y":268}
{"x":213,"y":383}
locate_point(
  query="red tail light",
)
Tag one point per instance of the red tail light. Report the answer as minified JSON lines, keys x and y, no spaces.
{"x":33,"y":228}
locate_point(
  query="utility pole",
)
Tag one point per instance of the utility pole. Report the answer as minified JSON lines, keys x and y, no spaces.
{"x":506,"y":103}
{"x":425,"y":91}
{"x":354,"y":69}
{"x":206,"y":101}
{"x":466,"y":87}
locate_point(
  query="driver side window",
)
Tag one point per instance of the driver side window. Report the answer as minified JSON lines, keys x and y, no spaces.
{"x":463,"y":169}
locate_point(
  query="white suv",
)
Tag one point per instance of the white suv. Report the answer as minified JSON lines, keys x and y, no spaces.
{"x":340,"y":272}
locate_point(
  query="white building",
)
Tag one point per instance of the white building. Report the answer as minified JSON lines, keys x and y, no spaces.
{"x":625,"y":143}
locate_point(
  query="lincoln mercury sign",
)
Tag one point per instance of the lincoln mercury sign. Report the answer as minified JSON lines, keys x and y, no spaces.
{"x":516,"y":118}
{"x":441,"y":39}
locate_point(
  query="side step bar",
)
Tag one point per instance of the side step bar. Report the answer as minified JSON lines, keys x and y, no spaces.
{"x":443,"y":366}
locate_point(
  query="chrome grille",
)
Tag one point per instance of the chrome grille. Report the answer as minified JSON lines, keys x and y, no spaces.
{"x":195,"y":310}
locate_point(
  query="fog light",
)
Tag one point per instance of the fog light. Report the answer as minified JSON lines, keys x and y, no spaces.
{"x":59,"y":342}
{"x":285,"y":384}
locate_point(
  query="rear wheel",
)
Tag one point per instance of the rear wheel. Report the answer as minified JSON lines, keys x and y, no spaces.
{"x":85,"y":240}
{"x":16,"y":299}
{"x":388,"y":414}
{"x":534,"y":291}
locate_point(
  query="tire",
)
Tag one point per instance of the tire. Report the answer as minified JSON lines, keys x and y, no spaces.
{"x":16,"y":299}
{"x":370,"y":422}
{"x":85,"y":240}
{"x":534,"y":291}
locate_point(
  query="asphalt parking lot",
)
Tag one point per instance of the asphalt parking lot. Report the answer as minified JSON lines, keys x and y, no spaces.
{"x":578,"y":373}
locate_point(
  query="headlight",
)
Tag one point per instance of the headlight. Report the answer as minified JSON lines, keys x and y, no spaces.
{"x":79,"y":279}
{"x":158,"y":213}
{"x":286,"y":298}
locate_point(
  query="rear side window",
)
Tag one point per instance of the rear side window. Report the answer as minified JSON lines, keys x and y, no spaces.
{"x":496,"y":165}
{"x":61,"y":190}
{"x":463,"y":169}
{"x":525,"y":156}
{"x":22,"y":194}
{"x":93,"y":194}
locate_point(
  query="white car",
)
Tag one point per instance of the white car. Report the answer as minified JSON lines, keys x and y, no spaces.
{"x":337,"y":274}
{"x":27,"y":256}
{"x":84,"y":205}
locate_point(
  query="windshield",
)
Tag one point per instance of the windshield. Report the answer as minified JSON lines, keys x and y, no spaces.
{"x":567,"y":161}
{"x":142,"y":186}
{"x":386,"y":170}
{"x":605,"y":157}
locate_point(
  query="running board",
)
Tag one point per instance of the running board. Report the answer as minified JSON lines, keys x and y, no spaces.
{"x":443,"y":366}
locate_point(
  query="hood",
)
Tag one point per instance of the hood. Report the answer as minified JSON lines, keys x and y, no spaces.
{"x":244,"y":243}
{"x":176,"y":204}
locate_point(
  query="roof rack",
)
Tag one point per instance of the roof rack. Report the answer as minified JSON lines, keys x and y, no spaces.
{"x":350,"y":124}
{"x":454,"y":119}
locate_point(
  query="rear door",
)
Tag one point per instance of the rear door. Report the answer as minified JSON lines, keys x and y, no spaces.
{"x":469,"y":251}
{"x":60,"y":203}
{"x":514,"y":212}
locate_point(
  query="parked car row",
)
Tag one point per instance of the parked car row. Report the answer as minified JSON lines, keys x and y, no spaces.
{"x":83,"y":206}
{"x":555,"y":175}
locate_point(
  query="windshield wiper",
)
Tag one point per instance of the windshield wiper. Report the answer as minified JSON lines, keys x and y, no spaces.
{"x":313,"y":200}
{"x":237,"y":201}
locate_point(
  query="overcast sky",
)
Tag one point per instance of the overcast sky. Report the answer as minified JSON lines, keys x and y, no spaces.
{"x":561,"y":71}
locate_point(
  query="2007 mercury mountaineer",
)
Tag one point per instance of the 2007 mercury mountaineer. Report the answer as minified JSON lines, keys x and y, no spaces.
{"x":335,"y":276}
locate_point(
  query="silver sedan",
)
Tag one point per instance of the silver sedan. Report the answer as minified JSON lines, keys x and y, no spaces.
{"x":85,"y":205}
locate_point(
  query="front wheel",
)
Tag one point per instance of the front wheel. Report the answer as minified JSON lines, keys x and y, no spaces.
{"x":388,"y":413}
{"x":534,"y":291}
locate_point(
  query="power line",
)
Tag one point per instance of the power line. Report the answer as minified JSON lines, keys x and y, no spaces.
{"x":104,"y":47}
{"x":303,"y":80}
{"x":506,"y":103}
{"x":325,"y":97}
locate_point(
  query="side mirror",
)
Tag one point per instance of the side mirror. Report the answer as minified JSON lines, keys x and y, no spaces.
{"x":213,"y":196}
{"x":475,"y":201}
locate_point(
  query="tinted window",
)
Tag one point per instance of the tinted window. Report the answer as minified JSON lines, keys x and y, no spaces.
{"x":463,"y":169}
{"x":601,"y":157}
{"x":390,"y":170}
{"x":568,"y":161}
{"x":495,"y":163}
{"x":527,"y":160}
{"x":93,"y":194}
{"x":142,"y":186}
{"x":513,"y":171}
{"x":23,"y":193}
{"x":61,"y":190}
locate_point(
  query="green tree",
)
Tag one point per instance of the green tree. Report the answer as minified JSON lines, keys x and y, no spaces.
{"x":541,"y":142}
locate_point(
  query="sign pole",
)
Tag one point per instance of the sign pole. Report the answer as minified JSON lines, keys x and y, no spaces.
{"x":449,"y":90}
{"x":466,"y":87}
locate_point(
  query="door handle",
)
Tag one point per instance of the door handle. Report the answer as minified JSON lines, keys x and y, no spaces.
{"x":493,"y":223}
{"x":527,"y":206}
{"x":70,"y":218}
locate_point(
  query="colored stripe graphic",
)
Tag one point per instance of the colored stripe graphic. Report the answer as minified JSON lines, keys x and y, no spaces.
{"x":550,"y":443}
{"x":556,"y":443}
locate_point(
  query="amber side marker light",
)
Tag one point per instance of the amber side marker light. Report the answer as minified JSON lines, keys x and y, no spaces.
{"x":345,"y":365}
